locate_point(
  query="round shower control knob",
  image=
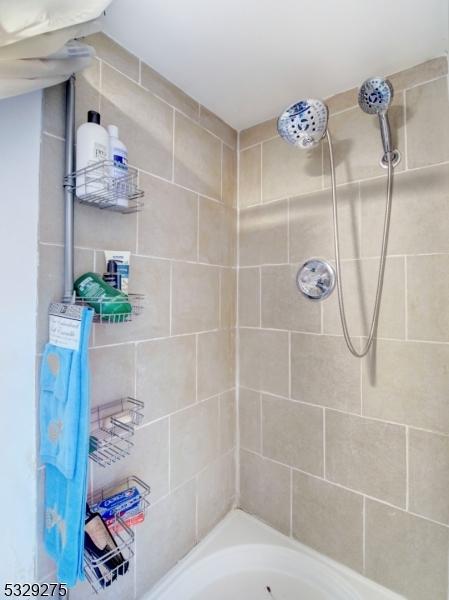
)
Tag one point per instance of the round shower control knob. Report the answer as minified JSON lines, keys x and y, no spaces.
{"x":316,"y":279}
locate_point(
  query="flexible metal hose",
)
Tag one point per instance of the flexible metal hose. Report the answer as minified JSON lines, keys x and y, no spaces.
{"x":380,"y":278}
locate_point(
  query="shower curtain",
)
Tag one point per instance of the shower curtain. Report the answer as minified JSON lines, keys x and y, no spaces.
{"x":37,"y":47}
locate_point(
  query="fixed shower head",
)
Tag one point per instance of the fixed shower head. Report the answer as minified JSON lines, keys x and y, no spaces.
{"x":375,"y":95}
{"x":304,"y":123}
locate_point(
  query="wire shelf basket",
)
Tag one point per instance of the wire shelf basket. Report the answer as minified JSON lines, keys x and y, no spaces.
{"x":96,"y":569}
{"x":112,"y":426}
{"x":104,"y":311}
{"x":99,"y":185}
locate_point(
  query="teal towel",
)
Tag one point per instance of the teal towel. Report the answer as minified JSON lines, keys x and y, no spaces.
{"x":64,"y":423}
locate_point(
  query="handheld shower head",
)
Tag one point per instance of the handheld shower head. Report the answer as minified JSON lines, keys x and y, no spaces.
{"x":304,"y":123}
{"x":375,"y":96}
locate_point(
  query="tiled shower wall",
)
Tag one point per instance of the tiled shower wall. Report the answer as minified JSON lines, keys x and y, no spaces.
{"x":351,"y":456}
{"x":178,"y":356}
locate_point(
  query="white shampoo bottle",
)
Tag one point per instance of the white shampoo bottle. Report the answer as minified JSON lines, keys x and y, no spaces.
{"x":92,"y":143}
{"x":118,"y":154}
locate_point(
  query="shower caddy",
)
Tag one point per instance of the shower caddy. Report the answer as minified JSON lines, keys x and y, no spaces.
{"x":113,"y":424}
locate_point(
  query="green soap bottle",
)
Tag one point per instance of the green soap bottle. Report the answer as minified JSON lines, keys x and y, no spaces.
{"x":110,"y":303}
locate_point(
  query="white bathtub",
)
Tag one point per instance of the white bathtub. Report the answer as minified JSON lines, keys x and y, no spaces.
{"x":244,"y":559}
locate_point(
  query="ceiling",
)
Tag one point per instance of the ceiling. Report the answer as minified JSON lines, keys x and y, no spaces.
{"x":247,"y":59}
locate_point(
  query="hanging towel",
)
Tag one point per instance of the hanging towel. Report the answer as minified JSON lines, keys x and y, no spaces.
{"x":64,"y":424}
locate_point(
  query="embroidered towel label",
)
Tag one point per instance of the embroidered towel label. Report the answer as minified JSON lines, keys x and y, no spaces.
{"x":65,"y":325}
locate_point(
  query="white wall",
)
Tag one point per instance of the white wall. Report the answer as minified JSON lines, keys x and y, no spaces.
{"x":20,"y":130}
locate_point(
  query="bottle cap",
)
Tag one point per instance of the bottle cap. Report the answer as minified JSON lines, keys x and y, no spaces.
{"x":113,"y":130}
{"x":111,"y":267}
{"x":93,"y":117}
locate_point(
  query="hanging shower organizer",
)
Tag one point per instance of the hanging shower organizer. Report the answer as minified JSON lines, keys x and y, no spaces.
{"x":99,"y":187}
{"x":112,"y":425}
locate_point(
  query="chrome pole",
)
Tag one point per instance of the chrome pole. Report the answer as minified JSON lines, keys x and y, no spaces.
{"x":69,"y":167}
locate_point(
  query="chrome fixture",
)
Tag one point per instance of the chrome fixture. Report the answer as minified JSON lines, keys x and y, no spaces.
{"x":316,"y":279}
{"x":304,"y":124}
{"x":375,"y":96}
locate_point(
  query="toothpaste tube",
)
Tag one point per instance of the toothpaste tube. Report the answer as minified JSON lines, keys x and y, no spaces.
{"x":117,"y":504}
{"x":115,"y":526}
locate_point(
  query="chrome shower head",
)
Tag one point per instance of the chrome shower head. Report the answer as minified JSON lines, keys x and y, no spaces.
{"x":375,"y":95}
{"x":304,"y":123}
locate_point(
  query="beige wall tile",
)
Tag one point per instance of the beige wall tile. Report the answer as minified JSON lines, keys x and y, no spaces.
{"x":51,"y":192}
{"x":263,"y":234}
{"x":216,"y":362}
{"x":265,"y":490}
{"x":250,"y":177}
{"x":150,"y":277}
{"x":427,"y":130}
{"x":258,"y":133}
{"x":324,"y":372}
{"x":229,"y":176}
{"x":408,"y":383}
{"x":217,"y":126}
{"x":215,"y":492}
{"x":431,"y":69}
{"x":169,"y":92}
{"x":145,"y":123}
{"x":359,"y":285}
{"x":419,"y":213}
{"x":264,"y":360}
{"x":194,"y":440}
{"x":429,"y":474}
{"x":197,"y":158}
{"x":292,"y":433}
{"x":283,"y":307}
{"x":357,"y":143}
{"x":311,"y":224}
{"x":112,"y":370}
{"x":115,"y":54}
{"x":168,"y":224}
{"x":217,"y":233}
{"x":249,"y":420}
{"x":342,"y":101}
{"x":148,"y":460}
{"x":53,"y":110}
{"x":165,"y":375}
{"x":228,"y":419}
{"x":249,"y":297}
{"x":195,"y":298}
{"x":228,"y":291}
{"x":288,"y":171}
{"x":172,"y":522}
{"x":104,"y":228}
{"x":367,"y":456}
{"x":328,"y":519}
{"x":406,"y":553}
{"x":428,"y":317}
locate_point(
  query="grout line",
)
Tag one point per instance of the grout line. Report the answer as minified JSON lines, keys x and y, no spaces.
{"x":406,"y":297}
{"x":291,"y":502}
{"x":407,"y":469}
{"x":364,"y":535}
{"x":170,"y":301}
{"x":173,"y":146}
{"x":324,"y":443}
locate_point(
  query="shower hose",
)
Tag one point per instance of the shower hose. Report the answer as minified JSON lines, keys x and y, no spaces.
{"x":380,"y":278}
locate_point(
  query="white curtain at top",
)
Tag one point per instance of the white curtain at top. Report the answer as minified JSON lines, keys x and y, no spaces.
{"x":37,"y":47}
